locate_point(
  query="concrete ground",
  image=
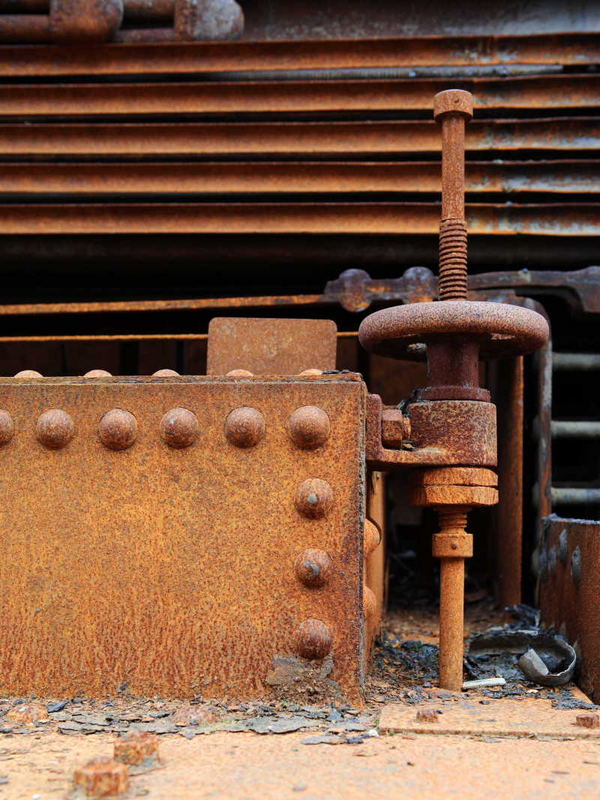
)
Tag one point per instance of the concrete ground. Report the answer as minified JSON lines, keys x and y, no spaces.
{"x":244,"y":766}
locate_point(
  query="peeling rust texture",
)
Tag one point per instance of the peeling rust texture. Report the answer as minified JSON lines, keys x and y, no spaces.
{"x":270,"y":346}
{"x":569,"y":588}
{"x":173,"y":570}
{"x":572,"y":49}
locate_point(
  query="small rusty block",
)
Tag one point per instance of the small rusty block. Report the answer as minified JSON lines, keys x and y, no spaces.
{"x":427,"y":715}
{"x":102,"y":777}
{"x":27,"y":714}
{"x":395,"y":427}
{"x":270,"y":346}
{"x":588,"y":720}
{"x":452,"y":545}
{"x":137,"y":748}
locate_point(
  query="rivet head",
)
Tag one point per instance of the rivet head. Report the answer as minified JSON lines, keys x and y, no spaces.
{"x":313,"y":639}
{"x":29,"y":373}
{"x":97,"y":373}
{"x":117,"y":429}
{"x":239,"y":373}
{"x":165,"y":373}
{"x":314,"y":498}
{"x":55,"y":428}
{"x":369,"y":601}
{"x":245,"y":426}
{"x":310,"y":373}
{"x":372,"y":537}
{"x":309,"y":427}
{"x":7,"y":427}
{"x":313,"y":568}
{"x":179,"y":427}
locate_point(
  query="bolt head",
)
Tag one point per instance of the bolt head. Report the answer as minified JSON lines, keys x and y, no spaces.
{"x":313,"y":568}
{"x":309,"y":427}
{"x":7,"y":427}
{"x":117,"y":429}
{"x":179,"y":428}
{"x":102,"y":777}
{"x":453,"y":101}
{"x":313,"y":639}
{"x":55,"y":428}
{"x":245,"y":427}
{"x":314,"y":498}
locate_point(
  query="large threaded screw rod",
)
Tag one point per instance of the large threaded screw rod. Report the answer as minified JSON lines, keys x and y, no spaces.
{"x":453,"y":109}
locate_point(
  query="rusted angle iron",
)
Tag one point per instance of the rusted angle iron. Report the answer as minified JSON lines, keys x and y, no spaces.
{"x":309,"y":217}
{"x":308,"y":176}
{"x":301,"y":139}
{"x":94,"y":99}
{"x":564,"y":49}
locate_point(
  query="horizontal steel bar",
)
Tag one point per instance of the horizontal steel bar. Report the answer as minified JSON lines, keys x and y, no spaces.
{"x":327,"y":177}
{"x":303,"y":218}
{"x":576,"y":361}
{"x":181,"y":57}
{"x":575,"y":429}
{"x":564,"y":496}
{"x":130,"y":337}
{"x":308,"y":139}
{"x":93,"y":99}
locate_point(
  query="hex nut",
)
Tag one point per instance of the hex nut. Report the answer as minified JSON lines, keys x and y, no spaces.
{"x":314,"y":498}
{"x":117,"y":429}
{"x":137,"y":748}
{"x":453,"y":495}
{"x":102,"y":777}
{"x":313,"y":568}
{"x":309,"y":427}
{"x":179,"y":428}
{"x":55,"y":428}
{"x":245,"y":427}
{"x":7,"y":427}
{"x":313,"y":639}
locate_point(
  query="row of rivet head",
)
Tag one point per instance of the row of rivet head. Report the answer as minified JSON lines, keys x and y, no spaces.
{"x":165,"y":373}
{"x":244,"y":427}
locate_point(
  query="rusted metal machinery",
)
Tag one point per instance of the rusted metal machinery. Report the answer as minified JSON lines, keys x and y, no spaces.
{"x":452,"y":414}
{"x":95,"y":21}
{"x":213,"y":534}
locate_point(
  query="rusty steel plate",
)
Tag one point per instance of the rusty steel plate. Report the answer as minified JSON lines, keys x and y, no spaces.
{"x":569,"y":588}
{"x":169,"y":565}
{"x":270,"y":346}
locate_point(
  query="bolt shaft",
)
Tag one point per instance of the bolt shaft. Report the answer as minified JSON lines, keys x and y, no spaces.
{"x":453,"y":108}
{"x":452,"y":545}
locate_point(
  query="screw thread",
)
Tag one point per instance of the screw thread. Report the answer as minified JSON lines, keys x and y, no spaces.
{"x":452,"y":518}
{"x":452,"y":280}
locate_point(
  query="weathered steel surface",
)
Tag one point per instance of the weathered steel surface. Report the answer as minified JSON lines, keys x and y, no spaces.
{"x":172,"y":569}
{"x":303,"y":218}
{"x":573,"y":49}
{"x":313,"y":176}
{"x":270,"y":346}
{"x":307,"y":139}
{"x":92,"y":99}
{"x":569,"y":587}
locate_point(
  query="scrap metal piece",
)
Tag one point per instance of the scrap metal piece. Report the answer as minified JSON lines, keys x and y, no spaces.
{"x":175,"y":568}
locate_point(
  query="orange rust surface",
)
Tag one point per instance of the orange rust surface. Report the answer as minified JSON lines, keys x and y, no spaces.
{"x":270,"y":346}
{"x":172,"y":570}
